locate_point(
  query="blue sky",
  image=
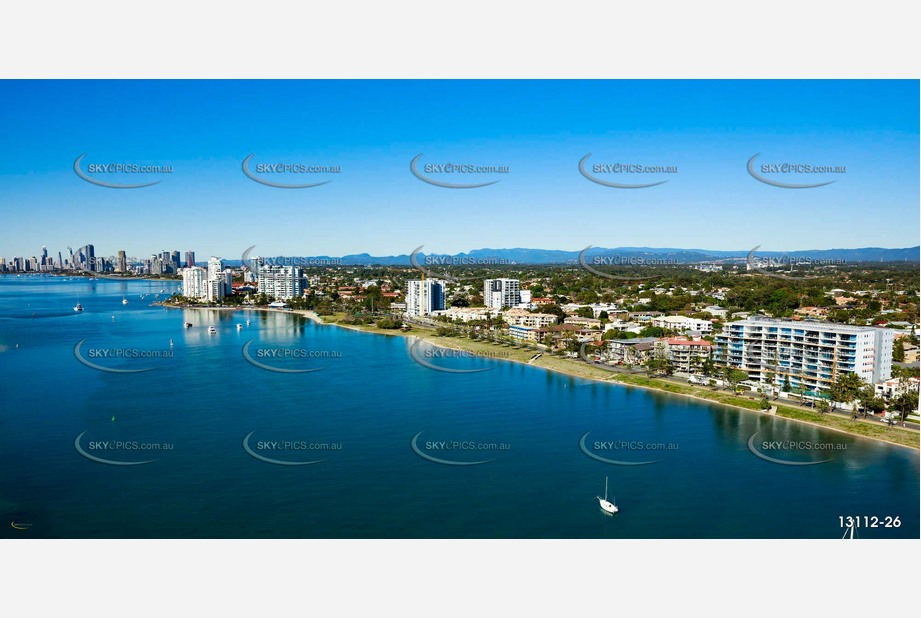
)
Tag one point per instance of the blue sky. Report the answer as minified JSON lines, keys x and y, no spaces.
{"x":372,"y":129}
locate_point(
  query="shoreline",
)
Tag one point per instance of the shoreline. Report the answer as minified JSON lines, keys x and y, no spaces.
{"x":439,"y":342}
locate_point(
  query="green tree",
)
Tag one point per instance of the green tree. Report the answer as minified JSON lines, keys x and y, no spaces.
{"x":846,"y":388}
{"x":898,"y":351}
{"x":905,"y":404}
{"x":735,"y":376}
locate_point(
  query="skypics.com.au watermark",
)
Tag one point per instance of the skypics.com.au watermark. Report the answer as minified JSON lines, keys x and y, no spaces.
{"x":455,"y":452}
{"x":287,"y":452}
{"x":620,"y":170}
{"x":589,"y":264}
{"x":117,"y":452}
{"x":262,"y":172}
{"x":423,"y":263}
{"x":611,"y":451}
{"x":253,"y":263}
{"x":278,"y":359}
{"x":97,"y":358}
{"x":95,"y":171}
{"x":98,"y":263}
{"x":761,"y":264}
{"x":770,"y":173}
{"x":628,"y":260}
{"x":432,"y":357}
{"x":449,"y":169}
{"x":791,"y":452}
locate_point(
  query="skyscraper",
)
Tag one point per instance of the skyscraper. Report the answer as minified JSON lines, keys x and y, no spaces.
{"x":87,"y":258}
{"x":121,"y":264}
{"x":189,"y":259}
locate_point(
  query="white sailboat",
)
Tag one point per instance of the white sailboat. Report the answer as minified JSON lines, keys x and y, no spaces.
{"x":78,"y":307}
{"x":124,"y":300}
{"x":607,"y":507}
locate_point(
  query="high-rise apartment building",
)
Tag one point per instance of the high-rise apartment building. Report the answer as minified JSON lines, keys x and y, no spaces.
{"x":810,"y":355}
{"x":280,"y":282}
{"x":501,"y":293}
{"x":424,"y":297}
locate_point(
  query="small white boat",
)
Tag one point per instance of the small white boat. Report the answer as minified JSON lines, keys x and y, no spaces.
{"x":78,"y":307}
{"x":170,"y":343}
{"x":239,"y":327}
{"x":212,"y":330}
{"x":188,"y":325}
{"x":607,"y":507}
{"x":124,"y":300}
{"x":247,"y":322}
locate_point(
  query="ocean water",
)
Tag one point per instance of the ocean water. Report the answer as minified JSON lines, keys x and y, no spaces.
{"x":356,"y":413}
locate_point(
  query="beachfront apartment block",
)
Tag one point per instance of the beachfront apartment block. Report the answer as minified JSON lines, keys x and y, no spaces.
{"x":523,"y":317}
{"x":524,"y":333}
{"x":682,"y":323}
{"x":810,"y":355}
{"x":463,"y":314}
{"x":424,"y":297}
{"x":280,"y":282}
{"x":501,"y":293}
{"x":686,"y":354}
{"x":630,"y":351}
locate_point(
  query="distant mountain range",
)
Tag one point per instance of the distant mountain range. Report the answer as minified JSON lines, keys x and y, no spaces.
{"x":623,"y":255}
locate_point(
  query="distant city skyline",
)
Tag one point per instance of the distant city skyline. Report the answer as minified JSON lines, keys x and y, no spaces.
{"x":368,"y":132}
{"x":86,"y":257}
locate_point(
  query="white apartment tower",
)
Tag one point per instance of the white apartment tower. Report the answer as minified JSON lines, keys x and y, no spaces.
{"x":193,"y":282}
{"x":280,"y":282}
{"x":216,"y":287}
{"x":424,"y":297}
{"x":501,"y":293}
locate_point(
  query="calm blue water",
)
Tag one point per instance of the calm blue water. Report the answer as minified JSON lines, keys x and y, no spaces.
{"x":370,"y":398}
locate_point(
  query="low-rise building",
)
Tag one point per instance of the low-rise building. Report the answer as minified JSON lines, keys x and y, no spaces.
{"x":630,"y":351}
{"x":911,"y":352}
{"x":682,"y":323}
{"x":580,"y":321}
{"x":686,"y":354}
{"x":811,"y":312}
{"x":526,"y":318}
{"x":894,"y":387}
{"x":464,"y":314}
{"x":524,"y":333}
